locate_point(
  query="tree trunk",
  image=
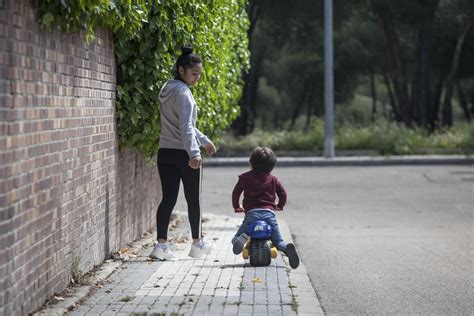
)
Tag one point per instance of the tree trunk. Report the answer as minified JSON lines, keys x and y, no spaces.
{"x":253,"y":89}
{"x":373,"y":91}
{"x":300,"y":104}
{"x":449,"y":83}
{"x":393,"y":102}
{"x":398,"y":68}
{"x":424,"y":100}
{"x":310,"y":108}
{"x":308,"y":117}
{"x":463,"y":102}
{"x":245,"y":123}
{"x":414,"y":111}
{"x":472,"y":102}
{"x":433,"y":115}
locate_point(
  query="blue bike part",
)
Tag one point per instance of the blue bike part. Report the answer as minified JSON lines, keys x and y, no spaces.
{"x":259,"y":230}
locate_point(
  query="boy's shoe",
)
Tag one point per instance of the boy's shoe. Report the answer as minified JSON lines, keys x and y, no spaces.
{"x":162,"y":251}
{"x":293,"y":257}
{"x":200,"y":248}
{"x":239,"y":243}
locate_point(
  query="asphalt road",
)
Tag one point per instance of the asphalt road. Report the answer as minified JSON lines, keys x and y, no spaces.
{"x":391,"y":240}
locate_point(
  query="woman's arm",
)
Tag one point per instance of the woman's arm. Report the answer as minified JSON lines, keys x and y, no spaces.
{"x":186,"y":126}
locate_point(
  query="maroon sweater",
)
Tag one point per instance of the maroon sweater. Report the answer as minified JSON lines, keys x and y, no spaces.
{"x":260,"y":191}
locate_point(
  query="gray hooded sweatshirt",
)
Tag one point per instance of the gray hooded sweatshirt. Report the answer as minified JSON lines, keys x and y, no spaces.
{"x":178,"y":112}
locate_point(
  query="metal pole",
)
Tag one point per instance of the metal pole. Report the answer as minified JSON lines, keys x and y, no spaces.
{"x":328,"y":80}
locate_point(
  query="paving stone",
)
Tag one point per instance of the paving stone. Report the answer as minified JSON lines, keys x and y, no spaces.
{"x":218,"y":284}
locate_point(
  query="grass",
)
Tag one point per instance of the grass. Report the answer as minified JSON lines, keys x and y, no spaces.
{"x":77,"y":277}
{"x":127,"y":298}
{"x":381,"y":137}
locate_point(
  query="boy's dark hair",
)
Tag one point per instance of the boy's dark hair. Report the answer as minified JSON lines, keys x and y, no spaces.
{"x":187,"y":59}
{"x":263,"y":159}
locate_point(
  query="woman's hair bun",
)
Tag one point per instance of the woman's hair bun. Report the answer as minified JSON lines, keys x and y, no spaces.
{"x":187,"y":49}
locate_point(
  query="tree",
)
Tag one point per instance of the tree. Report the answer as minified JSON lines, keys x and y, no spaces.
{"x":244,"y":124}
{"x":420,"y":51}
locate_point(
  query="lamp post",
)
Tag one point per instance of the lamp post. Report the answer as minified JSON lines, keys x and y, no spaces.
{"x":328,"y":80}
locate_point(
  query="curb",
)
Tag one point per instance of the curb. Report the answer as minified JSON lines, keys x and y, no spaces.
{"x":349,"y":161}
{"x":308,"y":302}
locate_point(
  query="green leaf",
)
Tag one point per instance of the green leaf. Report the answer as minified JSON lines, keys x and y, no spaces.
{"x":146,"y":53}
{"x":47,"y":19}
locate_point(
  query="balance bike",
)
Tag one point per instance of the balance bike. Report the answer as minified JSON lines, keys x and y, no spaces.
{"x":259,"y":247}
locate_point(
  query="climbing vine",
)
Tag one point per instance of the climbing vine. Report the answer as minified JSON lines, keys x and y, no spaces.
{"x":123,"y":17}
{"x":148,"y":38}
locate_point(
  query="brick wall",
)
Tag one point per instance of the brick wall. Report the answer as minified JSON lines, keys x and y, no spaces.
{"x":66,"y":193}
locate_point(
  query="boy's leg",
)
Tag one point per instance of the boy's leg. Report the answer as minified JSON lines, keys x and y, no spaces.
{"x":292,"y":255}
{"x":276,"y":237}
{"x":289,"y":249}
{"x":242,"y":229}
{"x":240,"y":238}
{"x":249,"y":217}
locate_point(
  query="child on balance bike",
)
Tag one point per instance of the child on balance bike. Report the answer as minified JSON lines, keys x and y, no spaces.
{"x":260,"y":189}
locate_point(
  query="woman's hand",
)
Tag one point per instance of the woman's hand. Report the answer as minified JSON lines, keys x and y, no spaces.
{"x":210,"y":149}
{"x":239,"y":210}
{"x":195,"y":162}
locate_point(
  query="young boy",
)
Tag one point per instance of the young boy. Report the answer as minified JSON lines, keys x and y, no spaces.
{"x":260,"y":190}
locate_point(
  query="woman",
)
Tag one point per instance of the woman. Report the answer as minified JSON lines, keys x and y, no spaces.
{"x":179,"y":157}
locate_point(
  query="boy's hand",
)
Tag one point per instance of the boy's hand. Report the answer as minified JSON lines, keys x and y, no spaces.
{"x":278,"y":208}
{"x":239,"y":210}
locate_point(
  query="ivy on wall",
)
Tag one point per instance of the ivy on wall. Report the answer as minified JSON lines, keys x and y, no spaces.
{"x":146,"y":48}
{"x":123,"y":17}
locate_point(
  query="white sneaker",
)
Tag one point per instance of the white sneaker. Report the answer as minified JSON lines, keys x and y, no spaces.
{"x":162,"y":251}
{"x":200,"y":248}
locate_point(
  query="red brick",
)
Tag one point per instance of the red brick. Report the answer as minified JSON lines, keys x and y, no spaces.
{"x":57,"y":104}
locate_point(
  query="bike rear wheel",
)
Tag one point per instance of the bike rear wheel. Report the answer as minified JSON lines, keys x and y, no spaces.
{"x":260,"y":252}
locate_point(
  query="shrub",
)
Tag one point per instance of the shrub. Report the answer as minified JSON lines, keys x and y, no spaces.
{"x":383,"y":137}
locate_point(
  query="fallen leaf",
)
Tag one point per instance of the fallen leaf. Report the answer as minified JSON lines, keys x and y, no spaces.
{"x":257,"y":280}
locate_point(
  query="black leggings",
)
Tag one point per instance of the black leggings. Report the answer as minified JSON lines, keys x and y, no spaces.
{"x":173,"y":167}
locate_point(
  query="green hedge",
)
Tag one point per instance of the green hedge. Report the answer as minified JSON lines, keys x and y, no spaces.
{"x":217,"y":30}
{"x":146,"y":54}
{"x":381,"y":137}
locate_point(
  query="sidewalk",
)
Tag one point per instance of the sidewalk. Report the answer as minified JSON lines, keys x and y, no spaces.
{"x":219,"y":284}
